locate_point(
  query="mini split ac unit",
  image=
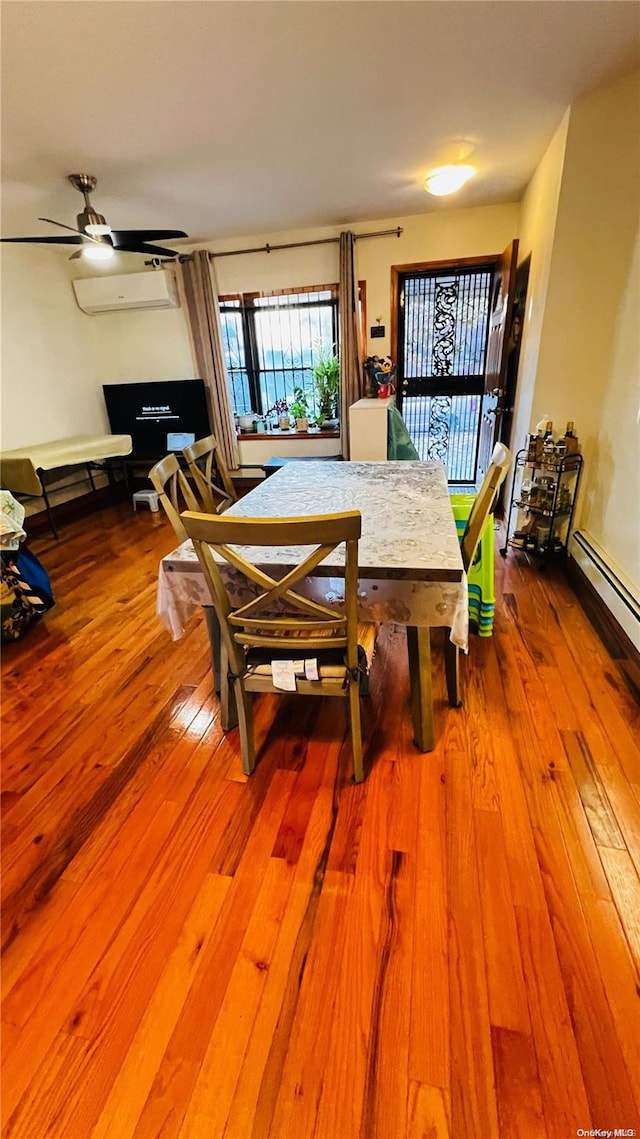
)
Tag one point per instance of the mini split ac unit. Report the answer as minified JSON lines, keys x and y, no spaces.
{"x":156,"y":289}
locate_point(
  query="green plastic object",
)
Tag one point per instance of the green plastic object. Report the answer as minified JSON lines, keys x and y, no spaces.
{"x":482,"y":602}
{"x":399,"y":442}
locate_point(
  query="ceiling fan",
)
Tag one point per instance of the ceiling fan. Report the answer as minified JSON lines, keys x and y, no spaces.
{"x":98,"y":239}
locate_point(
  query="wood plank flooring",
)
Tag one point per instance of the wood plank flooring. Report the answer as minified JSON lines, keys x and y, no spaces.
{"x":449,"y":951}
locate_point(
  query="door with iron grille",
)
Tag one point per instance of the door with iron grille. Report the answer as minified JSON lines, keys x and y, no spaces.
{"x":442,"y":332}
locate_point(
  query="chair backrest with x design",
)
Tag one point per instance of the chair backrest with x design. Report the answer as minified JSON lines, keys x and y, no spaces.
{"x":254,"y":639}
{"x":252,"y":625}
{"x":210,"y":474}
{"x":175,"y":493}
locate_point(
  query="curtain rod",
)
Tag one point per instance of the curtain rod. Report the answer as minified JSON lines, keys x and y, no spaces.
{"x":299,"y":244}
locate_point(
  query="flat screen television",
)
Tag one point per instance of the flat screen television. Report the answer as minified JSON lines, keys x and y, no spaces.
{"x":160,"y":416}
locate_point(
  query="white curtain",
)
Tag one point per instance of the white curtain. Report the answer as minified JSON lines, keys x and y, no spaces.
{"x":350,"y":350}
{"x":200,"y":295}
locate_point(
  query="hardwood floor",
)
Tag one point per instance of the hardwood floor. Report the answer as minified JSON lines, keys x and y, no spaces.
{"x":450,"y":949}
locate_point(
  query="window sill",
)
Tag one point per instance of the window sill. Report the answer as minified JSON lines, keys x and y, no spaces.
{"x":312,"y":433}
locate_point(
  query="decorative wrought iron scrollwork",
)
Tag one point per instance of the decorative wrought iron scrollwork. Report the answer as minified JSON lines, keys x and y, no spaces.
{"x":444,"y":327}
{"x":439,"y":422}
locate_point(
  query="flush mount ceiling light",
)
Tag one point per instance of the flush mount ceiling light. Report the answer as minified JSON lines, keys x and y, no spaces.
{"x":448,"y":179}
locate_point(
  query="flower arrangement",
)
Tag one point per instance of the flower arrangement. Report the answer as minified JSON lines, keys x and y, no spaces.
{"x":381,"y":372}
{"x":280,"y":407}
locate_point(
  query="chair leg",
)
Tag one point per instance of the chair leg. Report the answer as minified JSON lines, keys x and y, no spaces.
{"x":213,"y":629}
{"x":452,"y":671}
{"x":419,"y":652}
{"x":356,"y":731}
{"x":229,"y":712}
{"x":245,"y":723}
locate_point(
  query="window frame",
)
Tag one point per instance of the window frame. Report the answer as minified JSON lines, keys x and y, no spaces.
{"x":247,"y":309}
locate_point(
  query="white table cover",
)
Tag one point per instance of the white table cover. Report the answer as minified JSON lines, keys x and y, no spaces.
{"x":20,"y":467}
{"x":410,"y":562}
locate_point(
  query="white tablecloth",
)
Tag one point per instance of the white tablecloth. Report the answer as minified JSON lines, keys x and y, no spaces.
{"x":408,"y":553}
{"x":20,"y":467}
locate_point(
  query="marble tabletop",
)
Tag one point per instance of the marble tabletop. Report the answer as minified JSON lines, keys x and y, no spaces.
{"x":411,"y":568}
{"x":408,"y":528}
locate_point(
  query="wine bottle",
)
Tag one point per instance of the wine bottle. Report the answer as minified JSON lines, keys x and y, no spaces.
{"x":548,"y":444}
{"x":571,"y":439}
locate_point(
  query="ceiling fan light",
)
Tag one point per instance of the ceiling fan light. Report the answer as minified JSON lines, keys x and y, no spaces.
{"x":97,"y":230}
{"x":98,"y":252}
{"x":448,"y":179}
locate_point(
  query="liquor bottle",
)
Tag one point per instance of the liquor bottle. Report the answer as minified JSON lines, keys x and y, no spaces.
{"x":548,"y":445}
{"x":571,"y":439}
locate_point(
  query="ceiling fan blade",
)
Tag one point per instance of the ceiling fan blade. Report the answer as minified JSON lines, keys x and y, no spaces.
{"x":119,"y":236}
{"x":48,"y":240}
{"x":142,"y":247}
{"x":72,"y":228}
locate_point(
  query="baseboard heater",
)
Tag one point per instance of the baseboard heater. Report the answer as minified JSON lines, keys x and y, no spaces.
{"x":623,"y":606}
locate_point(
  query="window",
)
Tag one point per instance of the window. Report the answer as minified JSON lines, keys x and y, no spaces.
{"x":270,"y":342}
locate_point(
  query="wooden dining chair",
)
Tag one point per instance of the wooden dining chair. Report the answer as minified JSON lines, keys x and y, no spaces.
{"x":174,"y":491}
{"x":176,"y":495}
{"x":307,"y":632}
{"x":484,"y":503}
{"x":210,"y":474}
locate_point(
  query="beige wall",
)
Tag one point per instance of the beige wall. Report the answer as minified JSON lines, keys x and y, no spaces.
{"x":446,"y":233}
{"x":585,"y":364}
{"x":155,"y":345}
{"x":60,"y":356}
{"x":537,"y":230}
{"x":611,"y":513}
{"x":440,"y":236}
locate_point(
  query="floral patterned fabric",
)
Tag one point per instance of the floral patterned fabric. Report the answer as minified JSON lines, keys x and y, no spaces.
{"x":409,"y":551}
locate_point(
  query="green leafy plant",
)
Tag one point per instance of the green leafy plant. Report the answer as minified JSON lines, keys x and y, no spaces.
{"x":299,"y":409}
{"x":326,"y":374}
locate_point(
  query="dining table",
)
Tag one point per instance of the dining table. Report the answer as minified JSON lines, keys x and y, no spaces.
{"x":410,"y":565}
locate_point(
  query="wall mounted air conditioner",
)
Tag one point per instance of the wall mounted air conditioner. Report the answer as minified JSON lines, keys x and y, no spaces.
{"x":155,"y":289}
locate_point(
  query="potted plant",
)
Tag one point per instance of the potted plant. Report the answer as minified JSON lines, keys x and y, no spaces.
{"x":326,"y":373}
{"x":299,"y":409}
{"x":278,"y":415}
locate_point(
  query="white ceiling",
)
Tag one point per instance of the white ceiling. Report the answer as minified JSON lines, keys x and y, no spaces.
{"x":258,"y":116}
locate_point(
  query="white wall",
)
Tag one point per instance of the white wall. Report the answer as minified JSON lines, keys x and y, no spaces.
{"x":50,"y":367}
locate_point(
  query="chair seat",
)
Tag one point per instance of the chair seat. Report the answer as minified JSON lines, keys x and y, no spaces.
{"x":331,"y":664}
